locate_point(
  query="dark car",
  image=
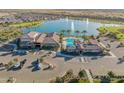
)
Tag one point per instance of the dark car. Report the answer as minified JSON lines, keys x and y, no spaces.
{"x":36,"y":65}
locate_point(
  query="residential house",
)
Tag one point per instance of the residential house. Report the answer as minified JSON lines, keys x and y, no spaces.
{"x":39,"y":40}
{"x":52,"y":39}
{"x":91,"y":46}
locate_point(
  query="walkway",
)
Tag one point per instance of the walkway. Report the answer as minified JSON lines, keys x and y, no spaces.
{"x":112,"y":55}
{"x":89,"y":75}
{"x":83,"y":59}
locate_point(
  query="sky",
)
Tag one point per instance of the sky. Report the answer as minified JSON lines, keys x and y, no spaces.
{"x":62,"y":4}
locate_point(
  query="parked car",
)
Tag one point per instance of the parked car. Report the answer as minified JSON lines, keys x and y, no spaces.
{"x":19,"y":65}
{"x":36,"y":65}
{"x":49,"y":67}
{"x":46,"y":68}
{"x":2,"y":66}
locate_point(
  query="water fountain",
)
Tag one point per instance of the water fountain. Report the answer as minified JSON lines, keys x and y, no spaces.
{"x":87,"y":21}
{"x":72,"y":26}
{"x":67,"y":19}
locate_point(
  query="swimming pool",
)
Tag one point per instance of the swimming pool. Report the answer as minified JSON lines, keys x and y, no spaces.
{"x":69,"y":42}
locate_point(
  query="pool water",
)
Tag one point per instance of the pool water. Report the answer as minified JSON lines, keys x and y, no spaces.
{"x":69,"y":42}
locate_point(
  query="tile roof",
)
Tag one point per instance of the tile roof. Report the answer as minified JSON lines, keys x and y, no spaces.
{"x":41,"y":37}
{"x":34,"y":35}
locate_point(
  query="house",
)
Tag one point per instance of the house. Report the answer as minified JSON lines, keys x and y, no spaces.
{"x":51,"y":41}
{"x":29,"y":40}
{"x":71,"y":49}
{"x":39,"y":40}
{"x":25,"y":42}
{"x":92,"y":46}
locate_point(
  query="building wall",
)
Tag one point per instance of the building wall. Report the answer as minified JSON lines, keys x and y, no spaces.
{"x":26,"y":45}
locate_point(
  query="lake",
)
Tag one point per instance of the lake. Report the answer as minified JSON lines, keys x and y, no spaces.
{"x":68,"y":24}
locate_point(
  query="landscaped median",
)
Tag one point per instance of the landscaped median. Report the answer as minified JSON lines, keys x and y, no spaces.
{"x":113,"y":31}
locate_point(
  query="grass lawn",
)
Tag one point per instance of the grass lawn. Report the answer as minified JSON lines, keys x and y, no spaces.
{"x":9,"y":34}
{"x":106,"y":21}
{"x":102,"y":21}
{"x":83,"y":81}
{"x":115,"y":30}
{"x":87,"y":81}
{"x":118,"y":81}
{"x":26,"y":24}
{"x":12,"y":30}
{"x":97,"y":81}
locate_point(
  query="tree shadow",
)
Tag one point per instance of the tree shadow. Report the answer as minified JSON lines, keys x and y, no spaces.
{"x":35,"y":69}
{"x":29,"y":67}
{"x":68,"y":58}
{"x":120,"y":62}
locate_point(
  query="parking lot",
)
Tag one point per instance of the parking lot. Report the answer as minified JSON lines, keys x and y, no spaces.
{"x":98,"y":65}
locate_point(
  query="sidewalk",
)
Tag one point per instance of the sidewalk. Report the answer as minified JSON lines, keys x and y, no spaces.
{"x":112,"y":55}
{"x":89,"y":75}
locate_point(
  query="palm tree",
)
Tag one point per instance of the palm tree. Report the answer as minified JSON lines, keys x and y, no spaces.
{"x":77,"y":32}
{"x":121,"y":44}
{"x":69,"y":32}
{"x":63,"y":32}
{"x":15,"y":59}
{"x":84,"y":34}
{"x":61,"y":35}
{"x":69,"y":72}
{"x":111,"y":74}
{"x":59,"y":80}
{"x":81,"y":73}
{"x":92,"y":36}
{"x":11,"y":80}
{"x":105,"y":79}
{"x":68,"y":75}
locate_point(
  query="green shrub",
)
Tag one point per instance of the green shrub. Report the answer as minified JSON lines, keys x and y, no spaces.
{"x":120,"y":81}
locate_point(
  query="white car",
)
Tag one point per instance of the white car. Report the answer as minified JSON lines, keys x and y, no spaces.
{"x":2,"y":68}
{"x":17,"y":66}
